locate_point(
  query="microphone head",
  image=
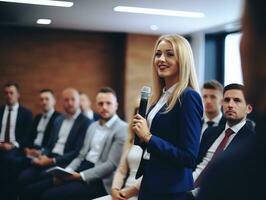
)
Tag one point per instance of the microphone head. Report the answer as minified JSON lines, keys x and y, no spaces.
{"x":145,"y":92}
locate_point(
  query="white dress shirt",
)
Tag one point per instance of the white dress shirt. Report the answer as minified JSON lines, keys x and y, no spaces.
{"x":42,"y":126}
{"x":64,"y":133}
{"x":98,"y":139}
{"x":162,"y":101}
{"x":13,"y":120}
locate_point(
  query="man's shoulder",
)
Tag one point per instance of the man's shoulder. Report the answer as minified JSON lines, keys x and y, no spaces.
{"x":56,"y":113}
{"x":120,"y":123}
{"x":189,"y":92}
{"x":24,"y":109}
{"x":83,"y":119}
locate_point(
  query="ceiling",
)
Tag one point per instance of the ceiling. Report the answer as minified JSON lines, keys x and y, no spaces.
{"x":98,"y":15}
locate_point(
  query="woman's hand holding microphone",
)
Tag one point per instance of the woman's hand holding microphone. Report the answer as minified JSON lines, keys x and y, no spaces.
{"x":140,"y":127}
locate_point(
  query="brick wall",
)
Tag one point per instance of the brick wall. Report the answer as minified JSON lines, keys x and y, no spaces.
{"x":56,"y":59}
{"x":138,"y":67}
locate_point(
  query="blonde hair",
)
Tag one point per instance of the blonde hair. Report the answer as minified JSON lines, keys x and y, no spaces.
{"x":130,"y":138}
{"x":187,"y":74}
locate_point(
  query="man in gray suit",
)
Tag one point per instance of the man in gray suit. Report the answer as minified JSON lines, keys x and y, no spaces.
{"x":94,"y":167}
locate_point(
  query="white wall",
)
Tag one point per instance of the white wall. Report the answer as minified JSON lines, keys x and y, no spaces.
{"x":198,"y":48}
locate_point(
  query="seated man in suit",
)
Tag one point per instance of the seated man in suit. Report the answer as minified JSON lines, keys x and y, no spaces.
{"x":212,"y":94}
{"x":93,"y":169}
{"x":15,"y":121}
{"x":19,"y":159}
{"x":85,"y":106}
{"x":43,"y":124}
{"x":223,"y":138}
{"x":15,"y":125}
{"x":65,"y":142}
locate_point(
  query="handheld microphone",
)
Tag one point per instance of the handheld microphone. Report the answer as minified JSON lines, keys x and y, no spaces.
{"x":144,"y":96}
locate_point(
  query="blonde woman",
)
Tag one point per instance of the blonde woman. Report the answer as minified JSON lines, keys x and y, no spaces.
{"x":172,"y":129}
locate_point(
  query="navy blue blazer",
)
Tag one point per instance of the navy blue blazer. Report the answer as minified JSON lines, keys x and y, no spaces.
{"x":47,"y":131}
{"x":23,"y":124}
{"x":174,"y":146}
{"x":212,"y":133}
{"x":74,"y":141}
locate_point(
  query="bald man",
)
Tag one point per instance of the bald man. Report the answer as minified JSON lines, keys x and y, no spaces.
{"x":66,"y":140}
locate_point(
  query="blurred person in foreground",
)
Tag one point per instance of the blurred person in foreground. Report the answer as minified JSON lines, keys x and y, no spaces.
{"x":241,"y":173}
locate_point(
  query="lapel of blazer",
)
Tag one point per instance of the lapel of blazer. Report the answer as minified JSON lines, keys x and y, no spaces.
{"x":149,"y":110}
{"x":73,"y":132}
{"x":18,"y":120}
{"x":48,"y":129}
{"x":34,"y":131}
{"x":109,"y":138}
{"x":216,"y":133}
{"x":91,"y":133}
{"x":208,"y":139}
{"x":2,"y":108}
{"x":156,"y":117}
{"x":242,"y":133}
{"x":55,"y":132}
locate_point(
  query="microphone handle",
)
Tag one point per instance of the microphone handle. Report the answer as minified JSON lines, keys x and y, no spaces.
{"x":142,"y":112}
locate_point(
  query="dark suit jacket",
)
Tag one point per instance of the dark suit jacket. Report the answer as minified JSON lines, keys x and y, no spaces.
{"x":47,"y":131}
{"x":23,"y":125}
{"x":174,"y":146}
{"x":74,"y":141}
{"x":212,"y":133}
{"x":240,"y":172}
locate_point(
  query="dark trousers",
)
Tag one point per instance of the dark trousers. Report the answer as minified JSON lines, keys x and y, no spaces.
{"x":13,"y":162}
{"x":45,"y":189}
{"x":75,"y":190}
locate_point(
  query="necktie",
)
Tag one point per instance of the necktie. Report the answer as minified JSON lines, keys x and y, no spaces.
{"x":219,"y":149}
{"x":7,"y":131}
{"x":223,"y":143}
{"x":210,"y":123}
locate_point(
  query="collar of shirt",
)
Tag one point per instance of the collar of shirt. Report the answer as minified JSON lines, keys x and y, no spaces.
{"x":216,"y":119}
{"x":14,"y":107}
{"x":110,"y":122}
{"x":170,"y":90}
{"x":236,"y":127}
{"x":49,"y":113}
